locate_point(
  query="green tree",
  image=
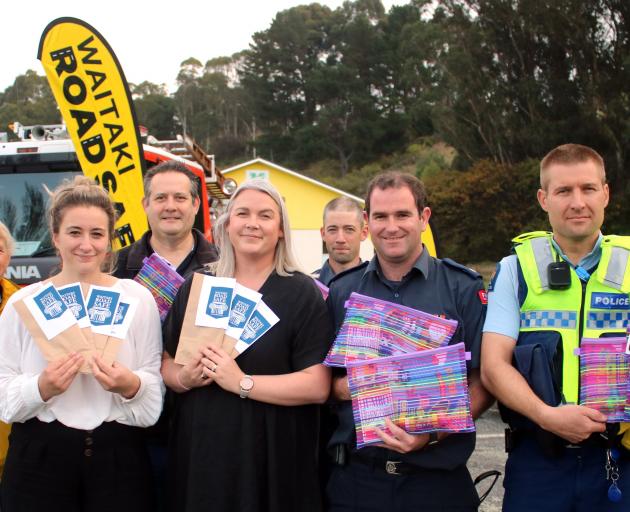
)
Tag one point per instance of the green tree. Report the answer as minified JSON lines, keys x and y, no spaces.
{"x":212,"y":107}
{"x":29,"y":100}
{"x":478,"y":212}
{"x":516,"y":78}
{"x":317,"y":80}
{"x":278,"y":69}
{"x":155,"y":109}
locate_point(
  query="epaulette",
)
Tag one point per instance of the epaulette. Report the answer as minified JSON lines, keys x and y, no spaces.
{"x":462,"y":268}
{"x":360,"y":267}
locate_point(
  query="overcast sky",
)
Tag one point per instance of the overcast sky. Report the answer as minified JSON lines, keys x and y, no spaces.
{"x":150,"y":38}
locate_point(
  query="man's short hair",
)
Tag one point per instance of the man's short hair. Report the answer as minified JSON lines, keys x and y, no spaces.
{"x":344,"y":204}
{"x":568,"y":154}
{"x":398,"y":179}
{"x":171,"y":166}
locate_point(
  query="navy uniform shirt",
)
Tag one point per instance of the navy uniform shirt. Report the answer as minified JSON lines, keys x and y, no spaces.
{"x":325,"y":274}
{"x":439,"y":287}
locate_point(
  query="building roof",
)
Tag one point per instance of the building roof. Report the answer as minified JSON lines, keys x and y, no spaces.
{"x":277,"y":167}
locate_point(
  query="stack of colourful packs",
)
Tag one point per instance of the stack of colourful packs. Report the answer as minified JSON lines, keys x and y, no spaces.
{"x":377,"y":328}
{"x":162,"y":280}
{"x":422,"y":392}
{"x":401,"y":367}
{"x":605,"y":377}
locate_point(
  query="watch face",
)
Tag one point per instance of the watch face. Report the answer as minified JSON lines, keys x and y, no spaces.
{"x":247,"y":383}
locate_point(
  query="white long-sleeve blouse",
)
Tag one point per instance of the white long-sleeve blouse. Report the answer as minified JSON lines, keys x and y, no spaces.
{"x":85,"y":404}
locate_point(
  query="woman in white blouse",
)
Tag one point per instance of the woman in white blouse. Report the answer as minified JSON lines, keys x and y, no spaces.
{"x":75,"y":443}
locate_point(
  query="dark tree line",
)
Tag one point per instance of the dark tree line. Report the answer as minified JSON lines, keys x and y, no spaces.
{"x":501,"y":81}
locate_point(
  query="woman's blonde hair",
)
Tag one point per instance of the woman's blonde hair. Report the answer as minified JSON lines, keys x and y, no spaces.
{"x":285,"y":262}
{"x":82,"y":191}
{"x":5,"y":235}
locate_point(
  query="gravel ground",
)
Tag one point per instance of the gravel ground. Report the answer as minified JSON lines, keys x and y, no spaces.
{"x":489,"y":454}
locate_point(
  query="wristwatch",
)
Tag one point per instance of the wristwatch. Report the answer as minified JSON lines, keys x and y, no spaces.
{"x":246,"y":384}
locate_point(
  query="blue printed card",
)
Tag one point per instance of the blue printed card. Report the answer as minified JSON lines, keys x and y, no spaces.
{"x":72,"y":296}
{"x":258,"y":324}
{"x":243,"y":305}
{"x":125,"y":312}
{"x":101,"y":307}
{"x":213,"y":309}
{"x":50,"y":311}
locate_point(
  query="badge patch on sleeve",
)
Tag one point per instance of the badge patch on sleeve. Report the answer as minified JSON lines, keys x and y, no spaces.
{"x":483,"y":296}
{"x":600,"y":300}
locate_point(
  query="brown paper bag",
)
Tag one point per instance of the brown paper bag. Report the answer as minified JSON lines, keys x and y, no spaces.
{"x":228,"y":344}
{"x":87,"y":334}
{"x":99,"y":342}
{"x":193,"y":336}
{"x":67,"y":342}
{"x":110,"y":350}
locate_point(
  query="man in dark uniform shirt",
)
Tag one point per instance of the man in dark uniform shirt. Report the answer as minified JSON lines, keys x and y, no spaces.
{"x":171,"y":201}
{"x":408,"y":472}
{"x":343,"y":231}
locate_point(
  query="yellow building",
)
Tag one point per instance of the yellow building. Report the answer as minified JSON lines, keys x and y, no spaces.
{"x":305,"y":199}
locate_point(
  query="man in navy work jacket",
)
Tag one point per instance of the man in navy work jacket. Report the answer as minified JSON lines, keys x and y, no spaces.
{"x":343,"y":231}
{"x":171,"y":201}
{"x":408,"y":472}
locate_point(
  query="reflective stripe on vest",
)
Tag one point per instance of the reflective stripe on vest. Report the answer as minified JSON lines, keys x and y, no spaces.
{"x":616,"y":267}
{"x":543,"y":254}
{"x":559,"y":319}
{"x":608,"y":320}
{"x":559,"y":310}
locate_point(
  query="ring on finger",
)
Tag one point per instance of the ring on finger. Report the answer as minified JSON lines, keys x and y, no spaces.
{"x":214,"y":368}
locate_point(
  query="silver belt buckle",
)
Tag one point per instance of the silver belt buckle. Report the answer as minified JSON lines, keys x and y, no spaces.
{"x":391,"y":467}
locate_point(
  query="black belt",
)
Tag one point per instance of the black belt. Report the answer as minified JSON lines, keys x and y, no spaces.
{"x":552,"y":444}
{"x":390,"y":466}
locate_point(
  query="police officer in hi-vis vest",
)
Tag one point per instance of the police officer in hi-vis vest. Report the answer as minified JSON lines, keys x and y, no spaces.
{"x":557,"y":289}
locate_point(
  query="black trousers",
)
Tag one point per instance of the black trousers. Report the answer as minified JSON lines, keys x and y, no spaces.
{"x":54,"y":468}
{"x":357,"y":487}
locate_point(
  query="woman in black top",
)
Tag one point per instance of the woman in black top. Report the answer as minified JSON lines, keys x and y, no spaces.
{"x":258,"y":453}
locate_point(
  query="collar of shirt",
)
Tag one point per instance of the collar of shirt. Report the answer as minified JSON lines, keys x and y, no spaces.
{"x":588,"y":262}
{"x":421,"y":265}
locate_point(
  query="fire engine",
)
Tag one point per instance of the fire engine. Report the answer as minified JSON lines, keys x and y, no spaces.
{"x":44,"y":155}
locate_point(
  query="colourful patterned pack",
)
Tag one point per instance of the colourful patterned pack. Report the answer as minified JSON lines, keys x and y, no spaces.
{"x":376,"y":328}
{"x":627,"y":406}
{"x":159,"y":277}
{"x":604,"y":375}
{"x":322,"y":288}
{"x":425,"y":391}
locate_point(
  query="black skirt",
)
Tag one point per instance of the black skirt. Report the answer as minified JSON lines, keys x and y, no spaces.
{"x":56,"y":468}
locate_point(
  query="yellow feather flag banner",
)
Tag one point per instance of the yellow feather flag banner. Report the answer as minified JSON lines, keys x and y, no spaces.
{"x":93,"y":96}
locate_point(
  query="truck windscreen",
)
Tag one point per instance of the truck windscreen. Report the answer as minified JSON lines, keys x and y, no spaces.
{"x":23,"y":203}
